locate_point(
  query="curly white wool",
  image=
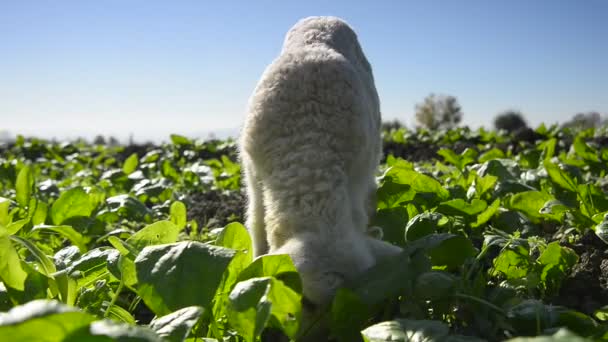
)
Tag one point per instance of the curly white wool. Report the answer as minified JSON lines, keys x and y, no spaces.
{"x":309,"y":148}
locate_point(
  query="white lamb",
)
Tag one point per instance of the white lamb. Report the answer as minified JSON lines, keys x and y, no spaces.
{"x":310,"y":147}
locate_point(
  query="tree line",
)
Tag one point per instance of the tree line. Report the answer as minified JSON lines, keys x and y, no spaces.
{"x":438,"y":112}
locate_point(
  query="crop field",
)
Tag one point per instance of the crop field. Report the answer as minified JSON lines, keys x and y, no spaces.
{"x":504,"y":239}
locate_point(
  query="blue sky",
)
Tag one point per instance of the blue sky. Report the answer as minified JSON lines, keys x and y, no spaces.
{"x":151,"y":68}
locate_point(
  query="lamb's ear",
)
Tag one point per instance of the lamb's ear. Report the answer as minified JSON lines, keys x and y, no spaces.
{"x":382,"y":249}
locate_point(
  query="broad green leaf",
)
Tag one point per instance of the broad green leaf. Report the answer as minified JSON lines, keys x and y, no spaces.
{"x":562,"y":335}
{"x":459,"y":206}
{"x":512,"y":264}
{"x":4,"y":216}
{"x":109,"y":331}
{"x":530,"y":203}
{"x":248,"y":308}
{"x":236,"y":237}
{"x":279,"y":266}
{"x":117,"y":313}
{"x":72,"y":203}
{"x":452,"y":252}
{"x":601,"y":230}
{"x":178,"y":214}
{"x":180,"y":140}
{"x":178,"y":275}
{"x":393,"y":222}
{"x":39,"y":216}
{"x":450,"y":157}
{"x":494,"y":153}
{"x":348,"y":315}
{"x":68,"y":232}
{"x":23,"y":185}
{"x":11,"y":272}
{"x":42,"y":320}
{"x":531,"y":316}
{"x":406,"y":330}
{"x":128,"y":206}
{"x":157,"y":233}
{"x":47,"y":267}
{"x":418,"y":182}
{"x":485,"y":216}
{"x":559,"y":176}
{"x":16,"y":226}
{"x":483,"y":184}
{"x":434,"y":285}
{"x":176,"y":326}
{"x":503,"y":169}
{"x":556,"y":262}
{"x":92,"y":265}
{"x":387,"y":278}
{"x":130,"y":164}
{"x":391,"y":194}
{"x":422,"y":225}
{"x":256,"y":302}
{"x":585,"y":151}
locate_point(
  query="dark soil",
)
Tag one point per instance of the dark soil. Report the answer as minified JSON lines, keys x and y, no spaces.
{"x":586,"y":288}
{"x":215,"y":208}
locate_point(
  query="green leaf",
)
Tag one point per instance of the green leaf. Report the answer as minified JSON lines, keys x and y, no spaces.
{"x":562,"y":335}
{"x":601,"y":230}
{"x":559,"y":176}
{"x":422,"y":225}
{"x":418,"y":182}
{"x":176,"y":326}
{"x":108,"y":331}
{"x":42,"y":320}
{"x":92,"y":266}
{"x":68,"y":232}
{"x":512,"y":263}
{"x":530,"y":203}
{"x":434,"y":285}
{"x":236,"y":237}
{"x":485,"y":216}
{"x":450,"y":157}
{"x":556,"y":262}
{"x":157,"y":233}
{"x":117,"y":313}
{"x":459,"y":206}
{"x":406,"y":330}
{"x":39,"y":215}
{"x":72,"y":203}
{"x":11,"y":272}
{"x":585,"y":151}
{"x":179,"y":214}
{"x":494,"y":153}
{"x":532,"y":316}
{"x":348,"y":315}
{"x":47,"y":267}
{"x":4,"y":216}
{"x":130,"y":164}
{"x":180,"y":140}
{"x":452,"y":252}
{"x":279,"y":266}
{"x":259,"y":301}
{"x":23,"y":185}
{"x":393,"y":222}
{"x":174,"y":276}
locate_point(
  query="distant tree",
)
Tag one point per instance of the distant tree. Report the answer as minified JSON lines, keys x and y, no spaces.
{"x":586,"y":120}
{"x":99,"y":140}
{"x":438,"y":111}
{"x":510,"y":121}
{"x":392,"y":125}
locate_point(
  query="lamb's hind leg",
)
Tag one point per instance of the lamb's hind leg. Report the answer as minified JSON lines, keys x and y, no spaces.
{"x":255,"y":211}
